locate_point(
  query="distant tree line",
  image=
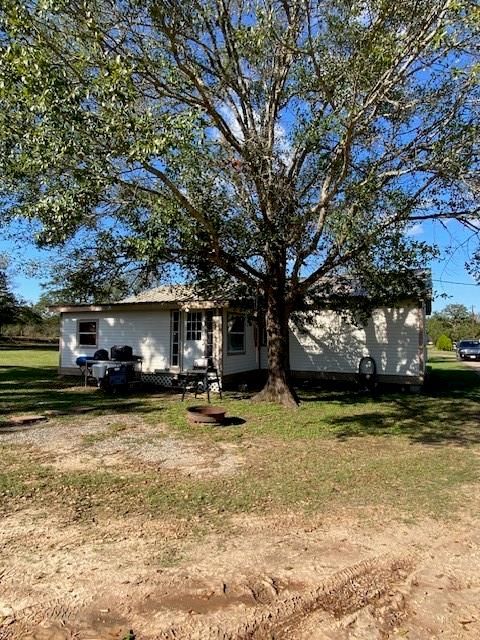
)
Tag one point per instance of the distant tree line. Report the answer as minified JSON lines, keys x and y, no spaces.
{"x":452,"y":324}
{"x":20,"y":319}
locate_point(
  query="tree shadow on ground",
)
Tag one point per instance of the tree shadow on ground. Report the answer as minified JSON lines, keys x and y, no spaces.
{"x":446,"y":412}
{"x":232,"y":421}
{"x":441,"y":423}
{"x":24,"y":389}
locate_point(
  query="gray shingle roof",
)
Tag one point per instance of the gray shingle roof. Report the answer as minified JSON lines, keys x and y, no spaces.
{"x":167,"y":294}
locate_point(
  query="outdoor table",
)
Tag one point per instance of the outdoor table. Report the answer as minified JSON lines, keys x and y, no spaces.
{"x":199,"y":376}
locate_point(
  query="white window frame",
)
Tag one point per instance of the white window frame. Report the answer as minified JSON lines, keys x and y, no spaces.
{"x":197,"y":330}
{"x":236,"y":352}
{"x":179,"y":332}
{"x":89,"y":333}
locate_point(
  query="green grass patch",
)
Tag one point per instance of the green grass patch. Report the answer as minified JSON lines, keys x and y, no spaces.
{"x":331,"y":476}
{"x":446,"y":411}
{"x":11,"y":485}
{"x":342,"y":449}
{"x":29,"y":382}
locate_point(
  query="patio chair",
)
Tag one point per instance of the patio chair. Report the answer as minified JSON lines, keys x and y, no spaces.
{"x":199,"y":378}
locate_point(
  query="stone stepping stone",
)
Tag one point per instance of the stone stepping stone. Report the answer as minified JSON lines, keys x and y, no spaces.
{"x":25,"y":419}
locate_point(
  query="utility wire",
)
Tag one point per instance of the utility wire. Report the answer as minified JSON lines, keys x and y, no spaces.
{"x":463,"y":284}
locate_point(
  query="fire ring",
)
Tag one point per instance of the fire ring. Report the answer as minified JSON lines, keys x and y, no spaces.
{"x":206,"y":414}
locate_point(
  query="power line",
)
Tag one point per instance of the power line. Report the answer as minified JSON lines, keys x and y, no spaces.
{"x":463,"y":284}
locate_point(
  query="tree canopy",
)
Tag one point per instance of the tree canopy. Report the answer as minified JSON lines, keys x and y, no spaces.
{"x":276,"y":144}
{"x":9,"y":306}
{"x":12,"y":309}
{"x":454,"y":321}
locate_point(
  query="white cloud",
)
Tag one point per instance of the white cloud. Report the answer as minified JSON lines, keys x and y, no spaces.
{"x":232,"y":122}
{"x":282,"y":145}
{"x":415,"y":229}
{"x":474,"y":222}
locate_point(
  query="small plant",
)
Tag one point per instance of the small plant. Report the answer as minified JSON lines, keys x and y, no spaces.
{"x":444,"y":343}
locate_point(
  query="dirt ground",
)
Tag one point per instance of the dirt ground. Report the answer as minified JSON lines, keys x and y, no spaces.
{"x":285,"y":577}
{"x":473,"y":364}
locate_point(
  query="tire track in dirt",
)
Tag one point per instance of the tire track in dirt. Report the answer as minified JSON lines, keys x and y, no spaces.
{"x":6,"y":574}
{"x":344,"y":593}
{"x":60,"y":612}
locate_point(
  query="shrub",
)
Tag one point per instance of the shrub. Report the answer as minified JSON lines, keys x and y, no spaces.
{"x":444,"y":343}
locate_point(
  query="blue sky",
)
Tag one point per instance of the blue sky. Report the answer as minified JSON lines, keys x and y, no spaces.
{"x":457,"y":246}
{"x":456,"y":243}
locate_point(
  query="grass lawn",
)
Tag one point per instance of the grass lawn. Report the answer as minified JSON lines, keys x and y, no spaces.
{"x":396,"y":453}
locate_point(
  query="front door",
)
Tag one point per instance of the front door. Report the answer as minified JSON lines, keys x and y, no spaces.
{"x":194,"y":345}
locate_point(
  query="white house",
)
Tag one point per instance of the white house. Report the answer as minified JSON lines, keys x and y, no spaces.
{"x":170,"y":327}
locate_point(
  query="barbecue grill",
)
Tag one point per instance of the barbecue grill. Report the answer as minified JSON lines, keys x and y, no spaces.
{"x":116,"y":373}
{"x":123,"y":352}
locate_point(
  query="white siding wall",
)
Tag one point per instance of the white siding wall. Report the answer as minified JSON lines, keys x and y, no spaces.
{"x":238,"y":362}
{"x":333,"y":345}
{"x":147,"y":332}
{"x":330,"y":344}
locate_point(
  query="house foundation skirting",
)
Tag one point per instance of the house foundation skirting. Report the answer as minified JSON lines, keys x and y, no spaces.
{"x":342,"y":376}
{"x":256,"y":377}
{"x":170,"y":380}
{"x":163,"y":379}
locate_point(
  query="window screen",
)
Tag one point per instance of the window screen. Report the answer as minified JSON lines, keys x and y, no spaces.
{"x":87,"y":333}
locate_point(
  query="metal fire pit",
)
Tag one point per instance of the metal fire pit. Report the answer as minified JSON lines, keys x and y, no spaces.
{"x":206,"y":414}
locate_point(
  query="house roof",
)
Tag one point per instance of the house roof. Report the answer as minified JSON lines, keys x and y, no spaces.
{"x":170,"y":295}
{"x":167,"y":294}
{"x":164,"y":296}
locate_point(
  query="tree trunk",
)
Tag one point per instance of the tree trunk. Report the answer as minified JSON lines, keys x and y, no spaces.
{"x":278,"y":387}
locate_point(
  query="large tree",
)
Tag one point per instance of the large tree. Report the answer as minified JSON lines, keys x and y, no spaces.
{"x":12,"y":310}
{"x":9,"y":306}
{"x":281,"y":145}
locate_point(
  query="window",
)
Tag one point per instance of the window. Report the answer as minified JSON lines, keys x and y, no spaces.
{"x":87,"y":333}
{"x":175,"y":332}
{"x":235,"y":333}
{"x":263,"y":333}
{"x":194,"y":325}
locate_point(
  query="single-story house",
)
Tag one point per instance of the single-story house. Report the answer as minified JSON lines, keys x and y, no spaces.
{"x":170,"y":326}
